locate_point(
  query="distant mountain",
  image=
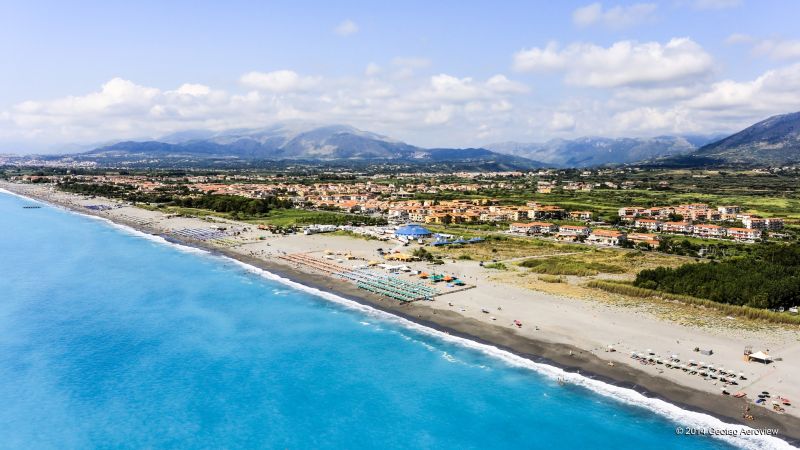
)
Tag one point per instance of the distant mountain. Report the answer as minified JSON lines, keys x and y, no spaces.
{"x":598,"y":151}
{"x":771,"y":142}
{"x":282,"y":142}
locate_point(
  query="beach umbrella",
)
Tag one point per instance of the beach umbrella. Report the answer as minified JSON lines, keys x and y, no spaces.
{"x":649,"y":351}
{"x":691,"y":362}
{"x":741,"y":374}
{"x":702,"y":364}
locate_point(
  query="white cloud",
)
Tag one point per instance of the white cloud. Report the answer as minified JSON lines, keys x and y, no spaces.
{"x":562,"y":122}
{"x":415,"y":108}
{"x":439,"y":116}
{"x":372,"y":70}
{"x":615,"y":17}
{"x":778,"y":48}
{"x":775,"y":90}
{"x":194,"y":90}
{"x":346,"y":28}
{"x":714,"y":4}
{"x":775,"y":48}
{"x":499,"y":83}
{"x":739,"y":38}
{"x":279,"y":81}
{"x":623,"y":63}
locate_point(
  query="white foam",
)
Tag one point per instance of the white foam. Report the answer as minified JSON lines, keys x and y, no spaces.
{"x":626,"y":396}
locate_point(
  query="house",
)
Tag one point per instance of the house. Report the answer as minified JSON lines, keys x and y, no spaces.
{"x":677,"y":227}
{"x":649,"y":239}
{"x":753,"y":222}
{"x":732,"y":209}
{"x":547,"y":212}
{"x":774,"y":223}
{"x":709,"y":231}
{"x":606,"y":237}
{"x":744,"y":234}
{"x":630,"y":211}
{"x":580,"y":215}
{"x":575,"y":230}
{"x":533,"y":228}
{"x":648,"y":224}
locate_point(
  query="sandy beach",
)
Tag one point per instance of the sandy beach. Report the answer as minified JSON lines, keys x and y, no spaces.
{"x":572,"y":333}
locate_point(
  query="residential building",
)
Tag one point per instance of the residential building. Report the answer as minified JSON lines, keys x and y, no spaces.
{"x":580,"y":215}
{"x":649,"y":239}
{"x":744,"y":234}
{"x":677,"y":227}
{"x":575,"y":230}
{"x":606,"y":237}
{"x":648,"y":224}
{"x":533,"y":228}
{"x":709,"y":231}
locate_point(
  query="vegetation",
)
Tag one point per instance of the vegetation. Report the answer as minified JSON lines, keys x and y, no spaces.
{"x":767,"y":278}
{"x":496,"y":266}
{"x":232,"y":204}
{"x":551,"y":278}
{"x":500,"y":247}
{"x":292,"y":217}
{"x":569,"y":266}
{"x":616,"y":287}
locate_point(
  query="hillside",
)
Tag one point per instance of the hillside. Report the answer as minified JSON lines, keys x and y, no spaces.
{"x":280,"y":143}
{"x":598,"y":151}
{"x":771,"y":142}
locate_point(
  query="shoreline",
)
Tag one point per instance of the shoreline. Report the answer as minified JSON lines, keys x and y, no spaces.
{"x":571,"y":359}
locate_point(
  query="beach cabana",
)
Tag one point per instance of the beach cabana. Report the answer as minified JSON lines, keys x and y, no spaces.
{"x":760,"y":357}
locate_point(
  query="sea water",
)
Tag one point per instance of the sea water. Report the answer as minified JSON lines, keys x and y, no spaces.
{"x":113,"y":339}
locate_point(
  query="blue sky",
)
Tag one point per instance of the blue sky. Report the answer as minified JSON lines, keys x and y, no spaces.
{"x":430,"y":73}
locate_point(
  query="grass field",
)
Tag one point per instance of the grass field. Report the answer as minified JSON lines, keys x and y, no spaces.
{"x":277,"y":217}
{"x":506,"y":247}
{"x":602,"y":261}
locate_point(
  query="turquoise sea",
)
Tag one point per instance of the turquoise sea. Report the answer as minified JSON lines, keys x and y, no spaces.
{"x":112,"y":339}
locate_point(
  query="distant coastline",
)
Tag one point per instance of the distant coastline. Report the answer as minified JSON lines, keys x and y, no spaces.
{"x":569,"y":358}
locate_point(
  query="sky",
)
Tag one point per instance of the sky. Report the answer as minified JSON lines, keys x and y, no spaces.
{"x":431,"y":73}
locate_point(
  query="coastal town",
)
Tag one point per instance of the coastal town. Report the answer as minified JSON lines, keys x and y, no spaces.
{"x":400,"y":203}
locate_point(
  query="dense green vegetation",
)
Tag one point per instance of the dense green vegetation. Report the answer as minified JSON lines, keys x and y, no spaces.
{"x":769,"y":277}
{"x":232,"y":203}
{"x":292,"y":217}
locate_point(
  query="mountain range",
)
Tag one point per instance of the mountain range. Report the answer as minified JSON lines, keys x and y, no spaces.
{"x":771,"y":142}
{"x":598,"y":151}
{"x":282,"y":142}
{"x":774,"y":141}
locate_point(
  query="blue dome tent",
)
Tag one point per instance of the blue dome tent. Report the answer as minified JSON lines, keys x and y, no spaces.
{"x":413,"y":232}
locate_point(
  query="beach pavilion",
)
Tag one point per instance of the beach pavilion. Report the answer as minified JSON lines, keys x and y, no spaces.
{"x":413,"y":231}
{"x":760,"y":357}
